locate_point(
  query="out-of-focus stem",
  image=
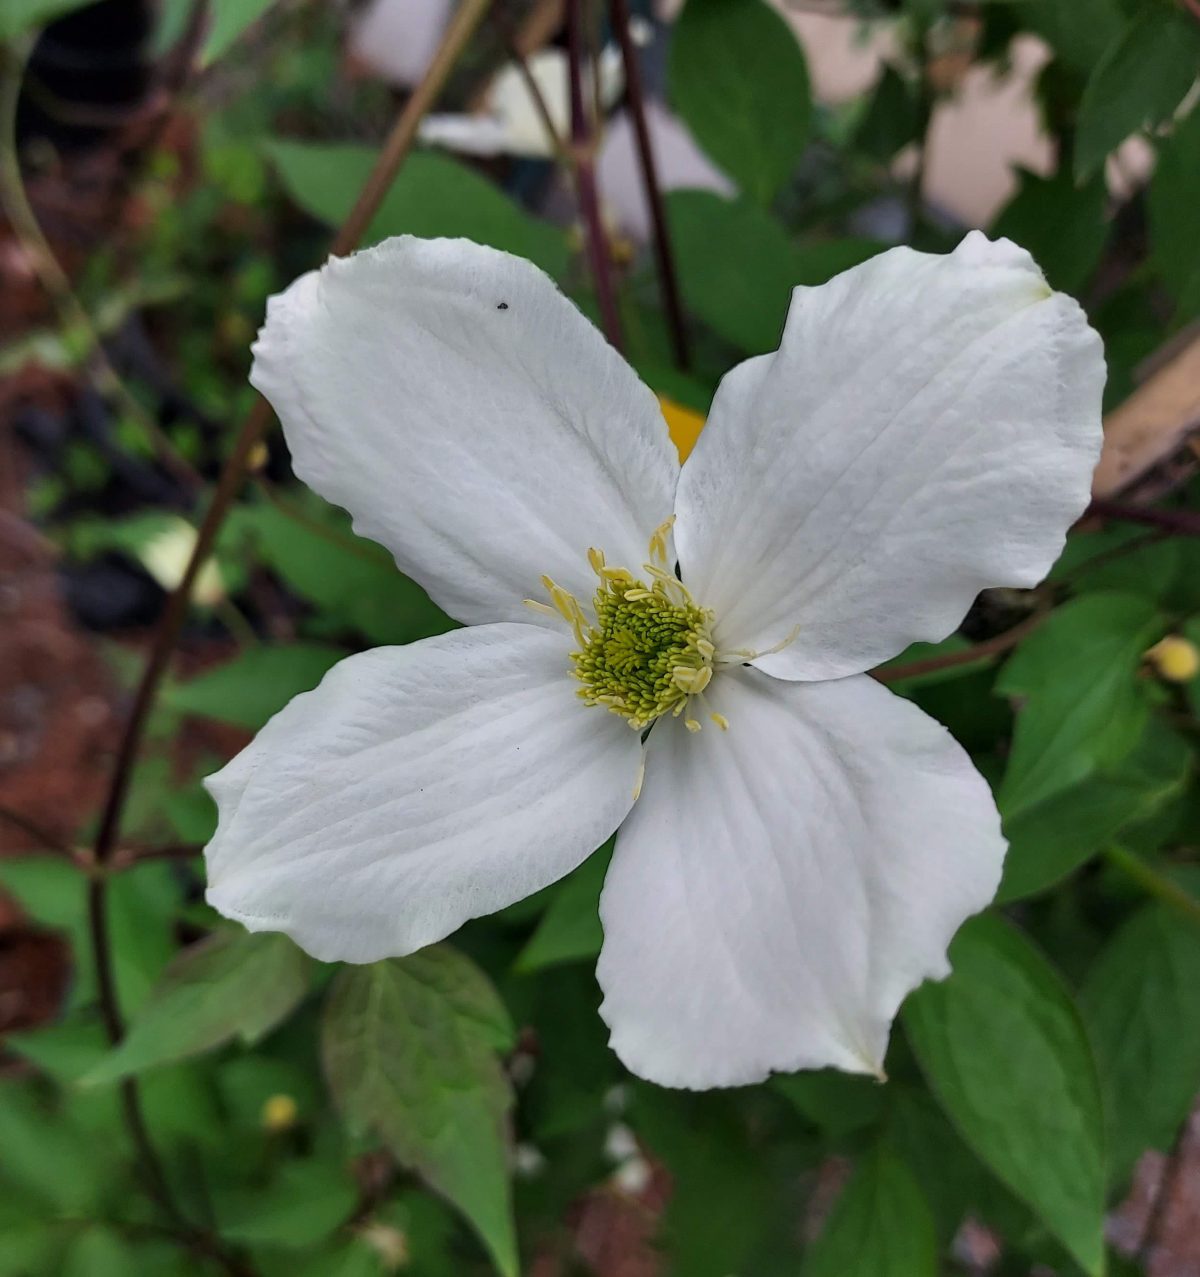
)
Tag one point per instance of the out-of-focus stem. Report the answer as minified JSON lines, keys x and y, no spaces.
{"x":583,"y":160}
{"x":664,"y":255}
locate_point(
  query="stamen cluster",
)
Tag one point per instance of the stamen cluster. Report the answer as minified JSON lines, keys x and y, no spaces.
{"x":648,"y":652}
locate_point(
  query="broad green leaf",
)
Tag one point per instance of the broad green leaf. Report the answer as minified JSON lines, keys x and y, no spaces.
{"x":738,"y":267}
{"x":234,"y":984}
{"x":98,"y":1251}
{"x":432,"y":195}
{"x":141,"y":903}
{"x":1139,"y":1001}
{"x":881,"y":1226}
{"x":247,"y":690}
{"x":1170,"y":197}
{"x":49,"y":1157}
{"x":1004,"y":1050}
{"x":353,"y":582}
{"x":891,"y":119}
{"x":409,"y":1047}
{"x":230,"y":18}
{"x":735,"y":266}
{"x":1082,"y":707}
{"x":838,"y":1104}
{"x":1063,"y":225}
{"x":738,"y":78}
{"x":953,"y":1180}
{"x":20,"y":16}
{"x":1053,"y":837}
{"x":306,"y":1202}
{"x":1079,"y":31}
{"x":1138,"y":83}
{"x":721,"y":1182}
{"x":570,"y":928}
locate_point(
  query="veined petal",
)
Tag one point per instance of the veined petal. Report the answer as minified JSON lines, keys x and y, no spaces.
{"x":469,"y":418}
{"x":778,"y":888}
{"x":415,"y":788}
{"x":927,"y":428}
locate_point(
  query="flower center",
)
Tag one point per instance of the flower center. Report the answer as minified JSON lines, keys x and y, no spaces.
{"x":649,"y":651}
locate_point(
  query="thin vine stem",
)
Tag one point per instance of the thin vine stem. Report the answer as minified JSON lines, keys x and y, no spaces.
{"x":663,"y":252}
{"x":583,"y":161}
{"x":71,"y":313}
{"x":1182,"y":522}
{"x":395,"y":150}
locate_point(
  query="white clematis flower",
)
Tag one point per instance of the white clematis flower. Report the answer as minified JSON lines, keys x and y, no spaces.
{"x":789,"y":871}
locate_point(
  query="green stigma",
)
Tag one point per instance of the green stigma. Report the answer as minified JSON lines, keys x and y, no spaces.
{"x":648,"y":652}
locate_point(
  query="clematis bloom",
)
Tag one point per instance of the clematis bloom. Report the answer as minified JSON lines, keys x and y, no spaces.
{"x":677,"y":652}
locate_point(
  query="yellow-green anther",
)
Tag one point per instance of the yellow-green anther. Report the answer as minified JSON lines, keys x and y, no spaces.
{"x":648,"y":651}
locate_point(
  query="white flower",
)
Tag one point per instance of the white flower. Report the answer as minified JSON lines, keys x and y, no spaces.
{"x":927,"y":428}
{"x":510,"y":122}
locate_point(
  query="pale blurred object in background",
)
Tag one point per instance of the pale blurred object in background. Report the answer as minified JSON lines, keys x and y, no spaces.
{"x":680,"y":164}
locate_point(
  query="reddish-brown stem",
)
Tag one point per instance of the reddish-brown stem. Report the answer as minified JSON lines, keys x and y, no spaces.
{"x":968,"y":656}
{"x":1182,"y":522}
{"x":396,"y":148}
{"x":583,"y":160}
{"x":663,"y":252}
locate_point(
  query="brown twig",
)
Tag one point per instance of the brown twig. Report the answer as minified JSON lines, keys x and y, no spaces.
{"x":39,"y":833}
{"x":663,"y":252}
{"x":1181,"y":522}
{"x":57,"y":285}
{"x":398,"y":144}
{"x":396,"y":148}
{"x":513,"y":47}
{"x":986,"y":650}
{"x":583,"y":159}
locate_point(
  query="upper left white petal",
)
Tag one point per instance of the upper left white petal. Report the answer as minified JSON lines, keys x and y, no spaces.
{"x":415,"y":788}
{"x":779,"y":887}
{"x":469,"y":417}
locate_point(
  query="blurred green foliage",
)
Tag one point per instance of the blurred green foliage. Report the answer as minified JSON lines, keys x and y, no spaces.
{"x":443,"y":1115}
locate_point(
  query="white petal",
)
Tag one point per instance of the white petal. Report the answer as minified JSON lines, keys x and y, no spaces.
{"x":418,"y":787}
{"x":927,"y":428}
{"x":467,"y":134}
{"x":469,"y":417}
{"x":779,"y":887}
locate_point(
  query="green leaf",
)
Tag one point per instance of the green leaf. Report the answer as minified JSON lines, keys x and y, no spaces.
{"x":738,"y":266}
{"x":234,"y":984}
{"x":409,"y":1050}
{"x":1053,"y":837}
{"x":303,"y":1204}
{"x":19,"y":16}
{"x":1138,"y":83}
{"x":1170,"y":198}
{"x":721,"y":1182}
{"x":1079,"y":31}
{"x":1139,"y":1001}
{"x":141,"y":904}
{"x":50,"y":1157}
{"x":1063,"y":225}
{"x":1004,"y":1049}
{"x":352,"y":581}
{"x":881,"y":1226}
{"x":98,"y":1252}
{"x":570,"y":928}
{"x":249,"y":689}
{"x":230,"y":18}
{"x":891,"y":119}
{"x":838,"y":1104}
{"x":738,"y":78}
{"x":1083,"y":707}
{"x":432,"y":195}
